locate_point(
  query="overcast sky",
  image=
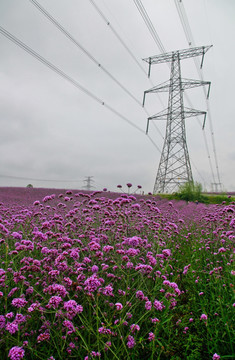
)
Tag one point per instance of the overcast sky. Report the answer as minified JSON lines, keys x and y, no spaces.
{"x":51,"y":130}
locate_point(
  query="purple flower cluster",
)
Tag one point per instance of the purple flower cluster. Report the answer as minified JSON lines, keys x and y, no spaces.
{"x":102,"y":266}
{"x":16,"y":353}
{"x":19,"y":302}
{"x":72,"y":309}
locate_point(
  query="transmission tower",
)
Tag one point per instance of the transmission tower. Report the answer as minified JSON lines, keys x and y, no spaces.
{"x":174,"y":167}
{"x":216,"y":186}
{"x":88,"y":180}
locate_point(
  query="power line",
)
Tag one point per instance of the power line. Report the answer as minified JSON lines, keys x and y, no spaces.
{"x":86,"y":52}
{"x":205,"y":183}
{"x":154,"y":143}
{"x":91,"y":57}
{"x":191,"y":42}
{"x":155,"y":36}
{"x":117,"y":35}
{"x":34,"y":179}
{"x":213,"y":143}
{"x":208,"y":155}
{"x":68,"y":78}
{"x":205,"y":141}
{"x":65,"y":76}
{"x":189,"y":36}
{"x":127,"y":49}
{"x":149,"y":25}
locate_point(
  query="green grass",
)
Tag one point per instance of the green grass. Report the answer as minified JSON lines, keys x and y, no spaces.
{"x":193,"y":192}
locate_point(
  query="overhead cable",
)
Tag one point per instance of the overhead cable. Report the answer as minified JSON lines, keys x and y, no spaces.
{"x":205,"y":140}
{"x":65,"y":76}
{"x":34,"y":179}
{"x":154,"y":143}
{"x":91,"y":57}
{"x":127,"y":49}
{"x":203,"y":179}
{"x":189,"y":36}
{"x":213,"y":143}
{"x":86,"y":52}
{"x":149,"y":24}
{"x":68,"y":78}
{"x":191,"y":42}
{"x":117,"y":35}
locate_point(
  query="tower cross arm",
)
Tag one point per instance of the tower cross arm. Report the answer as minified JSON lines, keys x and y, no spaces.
{"x":188,"y":112}
{"x":180,"y":54}
{"x":164,"y":114}
{"x":183,"y":54}
{"x":192,"y":112}
{"x":185,"y":84}
{"x":188,"y":84}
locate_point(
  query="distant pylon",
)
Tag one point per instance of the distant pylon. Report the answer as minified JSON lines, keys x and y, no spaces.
{"x":174,"y":167}
{"x":216,"y":186}
{"x":88,"y":180}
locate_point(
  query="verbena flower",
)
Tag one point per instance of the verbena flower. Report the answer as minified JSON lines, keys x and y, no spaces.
{"x":54,"y":302}
{"x":19,"y":318}
{"x":140,"y":295}
{"x":16,"y":235}
{"x":69,"y":325}
{"x":33,"y":307}
{"x":16,"y":353}
{"x":148,"y":305}
{"x":92,"y":283}
{"x":203,"y":317}
{"x":19,"y":302}
{"x":108,"y":290}
{"x":9,"y":315}
{"x":130,"y":341}
{"x":13,"y":290}
{"x":12,"y":327}
{"x":155,"y":320}
{"x":56,"y":288}
{"x":43,"y":337}
{"x":166,"y":252}
{"x":134,"y":327}
{"x":119,"y":306}
{"x":103,"y":330}
{"x":158,"y":305}
{"x":95,"y":269}
{"x":151,"y":336}
{"x":72,"y":308}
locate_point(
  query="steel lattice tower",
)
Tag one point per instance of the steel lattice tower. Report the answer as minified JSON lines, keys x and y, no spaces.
{"x":174,"y":167}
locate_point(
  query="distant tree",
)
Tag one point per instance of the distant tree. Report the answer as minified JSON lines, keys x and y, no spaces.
{"x":29,"y":186}
{"x":190,"y":191}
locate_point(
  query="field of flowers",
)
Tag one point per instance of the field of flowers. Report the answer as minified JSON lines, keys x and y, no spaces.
{"x":102,"y":275}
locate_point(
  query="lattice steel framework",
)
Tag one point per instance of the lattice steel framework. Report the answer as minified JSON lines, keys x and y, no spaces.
{"x":174,"y":167}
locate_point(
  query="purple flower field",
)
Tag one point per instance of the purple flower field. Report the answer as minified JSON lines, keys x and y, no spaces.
{"x":102,"y":275}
